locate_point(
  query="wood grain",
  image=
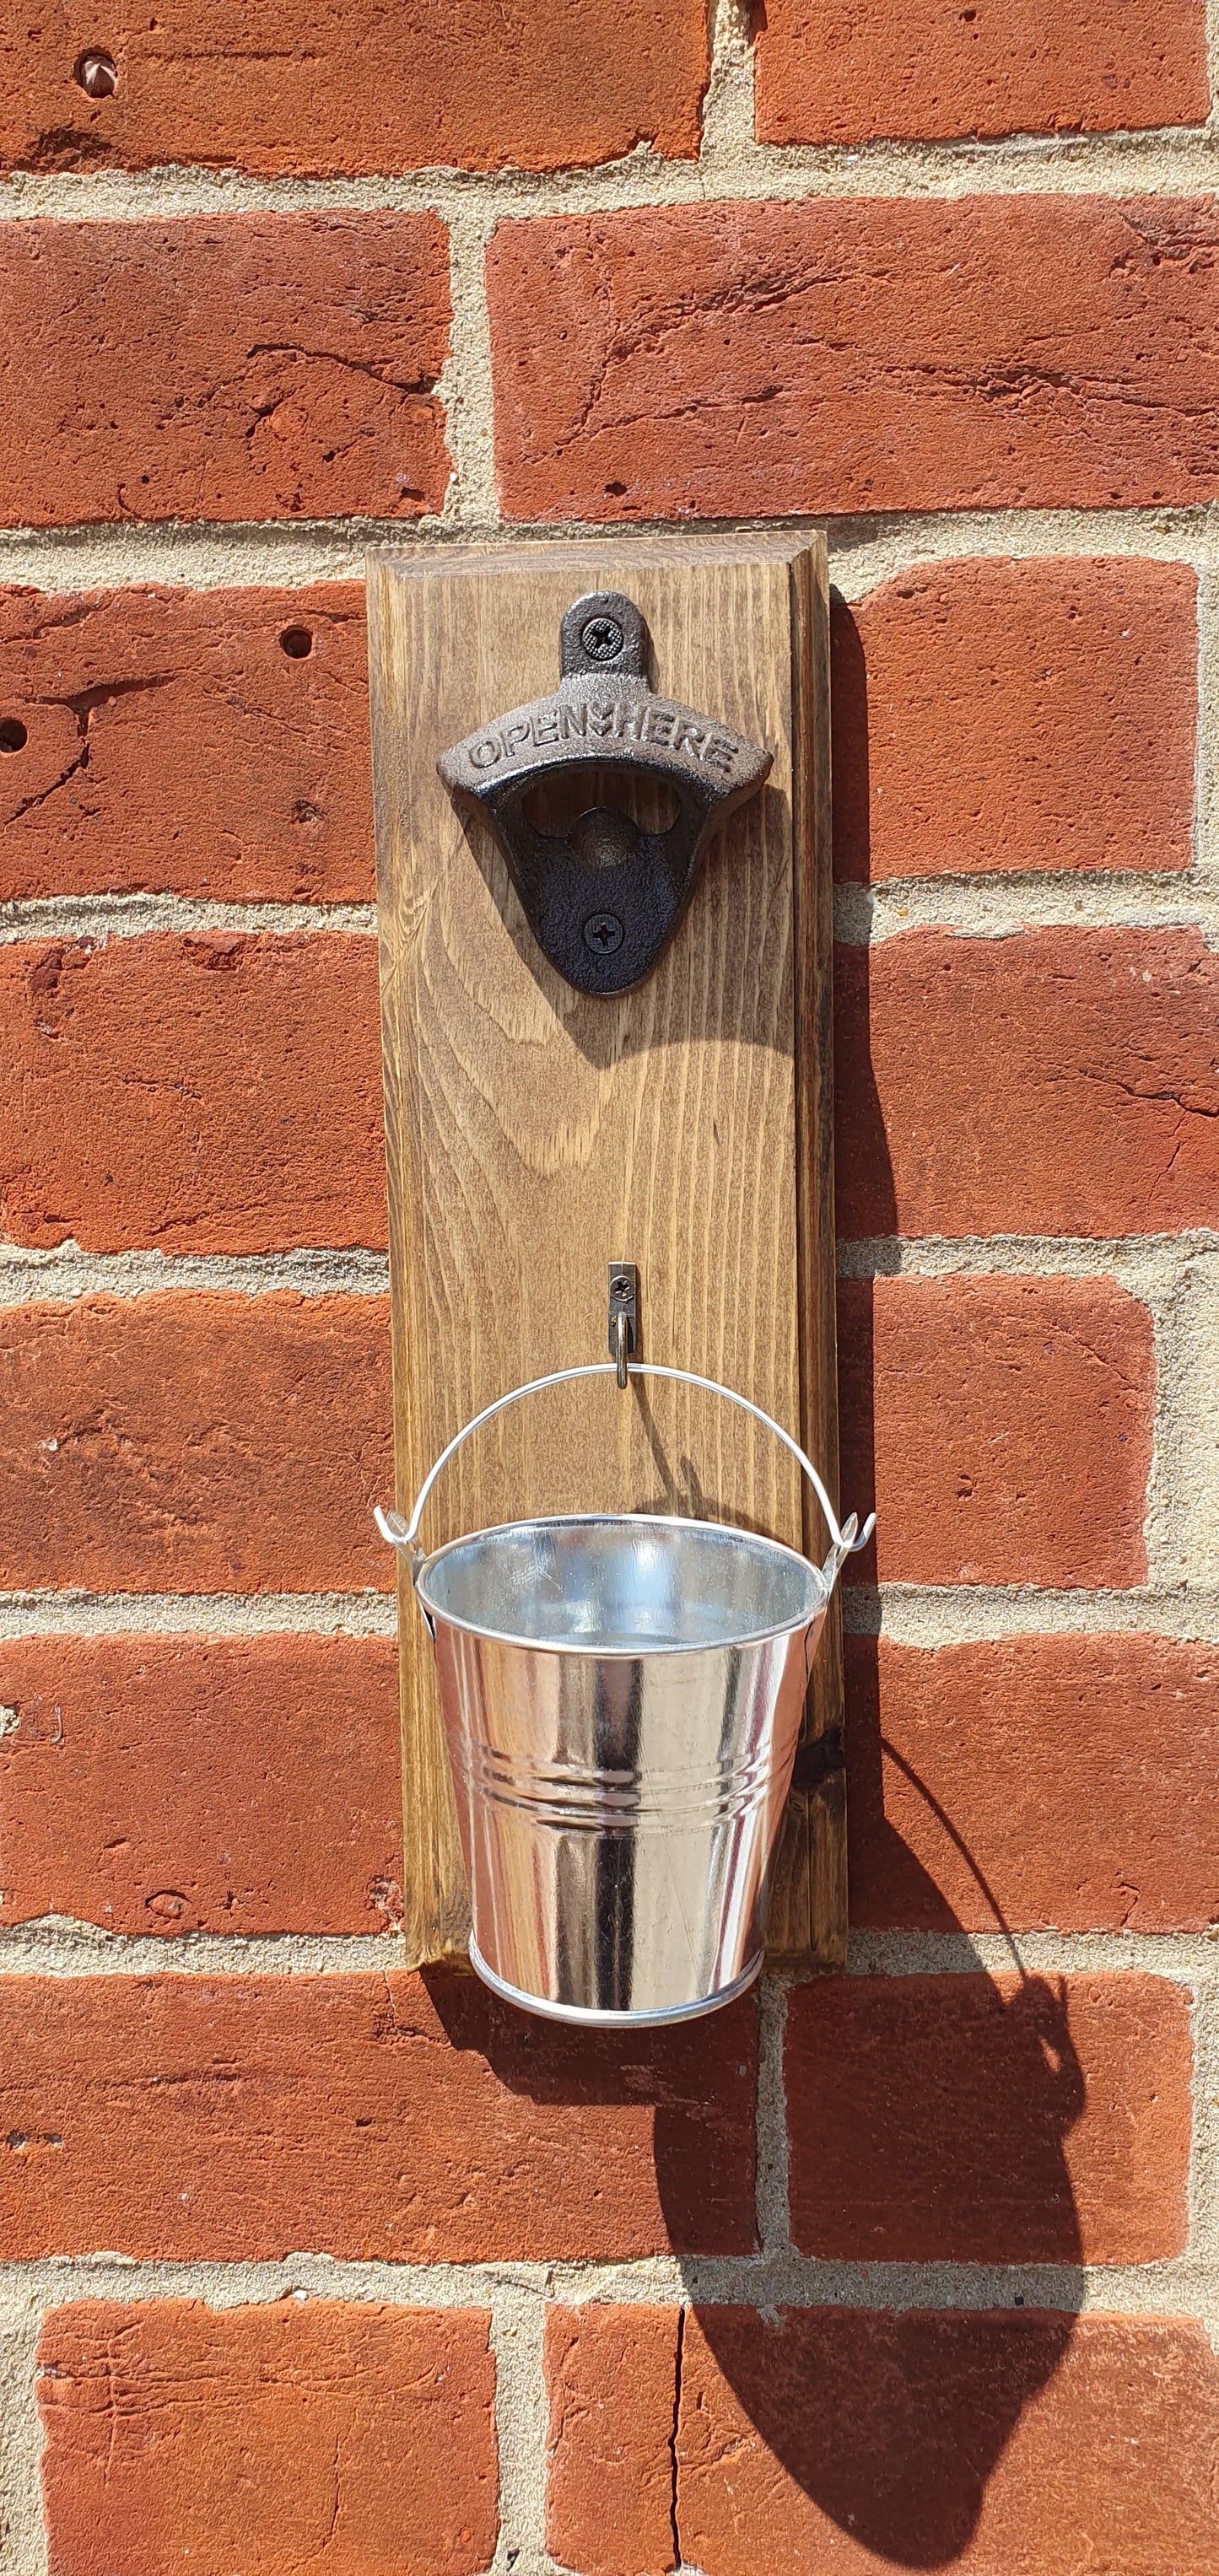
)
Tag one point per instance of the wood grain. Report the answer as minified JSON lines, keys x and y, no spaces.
{"x":534,"y":1134}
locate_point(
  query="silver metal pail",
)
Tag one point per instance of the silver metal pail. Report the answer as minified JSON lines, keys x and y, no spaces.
{"x":622,"y":1695}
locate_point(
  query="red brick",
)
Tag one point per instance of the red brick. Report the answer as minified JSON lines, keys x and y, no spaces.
{"x":612,"y":2378}
{"x":377,"y":88}
{"x":195,"y":1444}
{"x":1063,"y":1783}
{"x":1057,"y":1082}
{"x":846,"y":73}
{"x":855,"y":355}
{"x":223,"y":367}
{"x":971,"y":699}
{"x":833,"y":2442}
{"x":372,"y":2117}
{"x":270,"y":2438}
{"x":977,"y":2120}
{"x":205,"y":742}
{"x":232,"y":1090}
{"x":186,"y":1784}
{"x":1000,"y":1427}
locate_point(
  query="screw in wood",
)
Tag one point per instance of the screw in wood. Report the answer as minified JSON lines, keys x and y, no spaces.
{"x":601,"y":638}
{"x":603,"y":933}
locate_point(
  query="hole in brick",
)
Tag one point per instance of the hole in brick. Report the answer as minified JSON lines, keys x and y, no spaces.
{"x":13,"y":735}
{"x":296,"y":642}
{"x":97,"y":75}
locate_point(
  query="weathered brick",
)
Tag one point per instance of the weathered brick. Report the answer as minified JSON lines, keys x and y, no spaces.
{"x":977,"y":2120}
{"x":855,"y":355}
{"x":201,"y":742}
{"x":831,"y":2442}
{"x":1000,"y":1427}
{"x":272,"y":2438}
{"x":1063,"y":1783}
{"x":843,"y":74}
{"x":232,"y":1087}
{"x":250,"y":366}
{"x":186,"y":1784}
{"x":195,"y":1444}
{"x":299,"y":91}
{"x":970,"y":700}
{"x":1057,"y":1082}
{"x":612,"y":2379}
{"x":365,"y":2116}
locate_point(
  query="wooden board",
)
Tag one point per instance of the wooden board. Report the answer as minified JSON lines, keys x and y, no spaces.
{"x":534,"y":1134}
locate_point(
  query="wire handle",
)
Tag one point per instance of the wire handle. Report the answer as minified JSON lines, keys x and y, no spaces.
{"x":845,"y":1542}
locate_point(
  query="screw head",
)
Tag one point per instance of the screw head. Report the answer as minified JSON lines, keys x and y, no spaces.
{"x":603,"y":933}
{"x":601,"y":638}
{"x":97,"y":75}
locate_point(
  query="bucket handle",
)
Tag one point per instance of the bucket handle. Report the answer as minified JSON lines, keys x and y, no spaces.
{"x":845,"y":1542}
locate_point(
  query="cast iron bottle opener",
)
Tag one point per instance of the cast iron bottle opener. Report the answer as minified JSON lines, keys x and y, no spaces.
{"x":604,"y":898}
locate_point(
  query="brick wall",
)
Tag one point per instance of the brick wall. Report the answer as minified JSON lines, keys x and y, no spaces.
{"x":304,"y":2261}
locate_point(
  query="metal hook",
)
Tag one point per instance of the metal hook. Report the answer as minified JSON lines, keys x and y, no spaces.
{"x":623,"y":1316}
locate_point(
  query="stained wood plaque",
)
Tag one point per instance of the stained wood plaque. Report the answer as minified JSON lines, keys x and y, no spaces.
{"x":534,"y":1134}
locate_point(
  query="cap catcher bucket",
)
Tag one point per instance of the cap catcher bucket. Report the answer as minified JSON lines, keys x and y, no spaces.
{"x":622,"y":1696}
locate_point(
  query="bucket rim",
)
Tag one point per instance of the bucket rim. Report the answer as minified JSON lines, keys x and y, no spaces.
{"x":588,"y":1647}
{"x":602,"y":2017}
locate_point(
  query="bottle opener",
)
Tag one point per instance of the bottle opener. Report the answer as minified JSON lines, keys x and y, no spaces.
{"x":604,"y":898}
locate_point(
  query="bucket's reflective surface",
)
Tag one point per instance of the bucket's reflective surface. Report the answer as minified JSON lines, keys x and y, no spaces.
{"x":622,"y":1698}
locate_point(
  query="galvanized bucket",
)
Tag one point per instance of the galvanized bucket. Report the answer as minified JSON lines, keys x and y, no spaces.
{"x":622,"y":1695}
